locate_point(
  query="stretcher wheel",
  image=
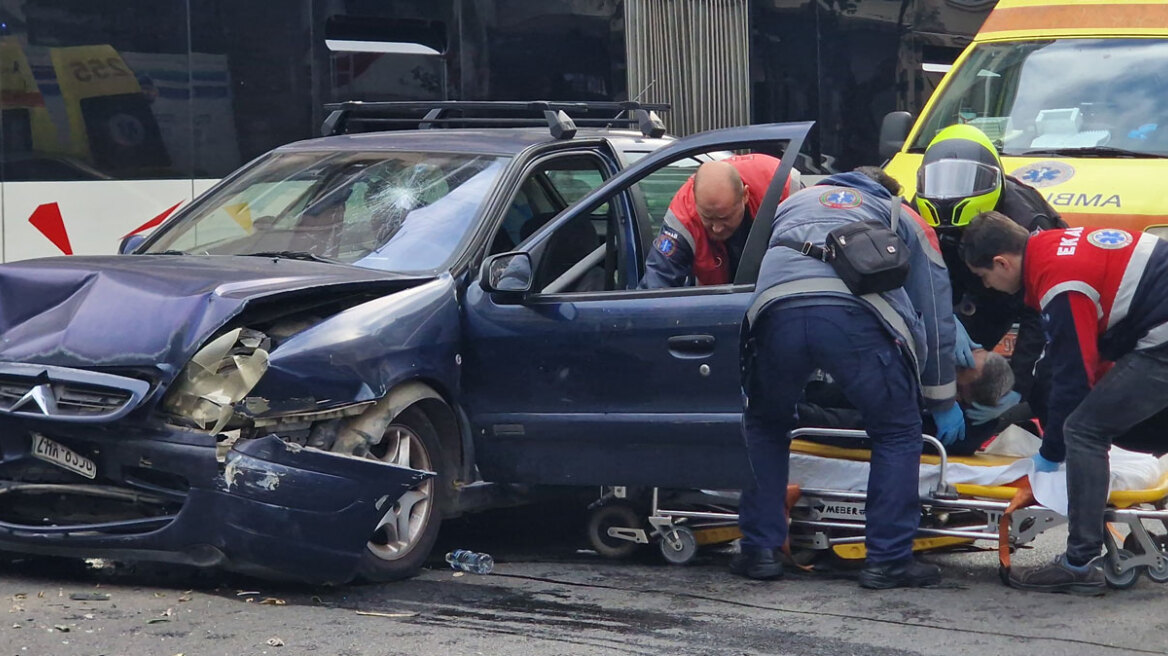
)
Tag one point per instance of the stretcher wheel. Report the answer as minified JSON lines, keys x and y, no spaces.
{"x":1159,"y":573}
{"x":1115,"y":578}
{"x":679,"y":545}
{"x":608,"y":516}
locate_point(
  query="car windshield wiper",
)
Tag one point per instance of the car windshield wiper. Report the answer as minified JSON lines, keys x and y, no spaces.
{"x":168,"y":252}
{"x":1091,"y":151}
{"x":293,"y":255}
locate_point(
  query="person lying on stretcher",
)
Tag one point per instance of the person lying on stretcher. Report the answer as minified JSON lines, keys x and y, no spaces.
{"x":983,"y":385}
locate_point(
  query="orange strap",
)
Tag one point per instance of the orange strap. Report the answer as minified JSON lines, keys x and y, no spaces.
{"x":793,"y":496}
{"x":1022,"y":498}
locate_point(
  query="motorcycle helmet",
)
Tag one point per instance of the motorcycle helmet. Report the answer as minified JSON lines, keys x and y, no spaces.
{"x":960,"y":177}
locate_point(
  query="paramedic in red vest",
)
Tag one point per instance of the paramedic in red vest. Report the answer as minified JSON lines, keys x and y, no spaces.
{"x":1103,"y":295}
{"x":705,"y":229}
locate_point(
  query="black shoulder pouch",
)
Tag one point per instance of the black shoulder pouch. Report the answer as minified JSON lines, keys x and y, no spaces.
{"x":867,"y":255}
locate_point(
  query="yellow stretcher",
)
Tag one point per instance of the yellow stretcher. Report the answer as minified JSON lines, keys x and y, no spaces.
{"x":824,"y":520}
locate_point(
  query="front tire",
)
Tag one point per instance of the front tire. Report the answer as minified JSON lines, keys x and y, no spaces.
{"x":405,"y":534}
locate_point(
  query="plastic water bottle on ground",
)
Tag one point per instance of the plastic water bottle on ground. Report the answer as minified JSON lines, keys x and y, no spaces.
{"x":470,"y":561}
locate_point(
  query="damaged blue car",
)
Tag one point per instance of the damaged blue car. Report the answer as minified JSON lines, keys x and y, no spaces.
{"x":303,"y":372}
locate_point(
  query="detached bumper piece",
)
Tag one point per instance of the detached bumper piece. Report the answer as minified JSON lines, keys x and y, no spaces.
{"x":297,"y":510}
{"x":272,"y":509}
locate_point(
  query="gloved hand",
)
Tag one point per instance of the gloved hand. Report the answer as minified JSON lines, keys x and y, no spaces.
{"x":950,"y":424}
{"x":963,"y":350}
{"x":1043,"y":465}
{"x":983,"y":414}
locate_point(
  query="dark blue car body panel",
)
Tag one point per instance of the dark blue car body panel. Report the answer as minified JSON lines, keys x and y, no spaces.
{"x":362,"y":352}
{"x":600,"y":397}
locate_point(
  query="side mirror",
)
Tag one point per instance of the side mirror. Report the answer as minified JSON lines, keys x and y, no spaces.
{"x":894,"y":130}
{"x":129,"y":243}
{"x":507,"y":273}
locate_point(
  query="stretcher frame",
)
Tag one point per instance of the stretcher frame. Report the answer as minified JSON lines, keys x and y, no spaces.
{"x":1007,"y":515}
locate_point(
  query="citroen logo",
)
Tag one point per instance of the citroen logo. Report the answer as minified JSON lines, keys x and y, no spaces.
{"x":42,"y":395}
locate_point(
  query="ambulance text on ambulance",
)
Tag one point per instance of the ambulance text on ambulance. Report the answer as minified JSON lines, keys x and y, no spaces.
{"x":1071,"y":199}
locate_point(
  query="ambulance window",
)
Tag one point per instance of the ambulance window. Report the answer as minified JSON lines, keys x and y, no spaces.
{"x":1059,"y":96}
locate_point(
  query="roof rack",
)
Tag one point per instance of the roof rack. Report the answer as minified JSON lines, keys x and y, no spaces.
{"x":561,"y":118}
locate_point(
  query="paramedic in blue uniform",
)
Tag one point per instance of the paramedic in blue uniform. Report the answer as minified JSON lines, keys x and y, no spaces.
{"x":886,"y":351}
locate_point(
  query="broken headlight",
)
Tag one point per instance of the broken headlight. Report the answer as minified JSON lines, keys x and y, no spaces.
{"x":218,"y":377}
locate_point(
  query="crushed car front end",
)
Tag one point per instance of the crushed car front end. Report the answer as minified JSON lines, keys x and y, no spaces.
{"x":213,"y":434}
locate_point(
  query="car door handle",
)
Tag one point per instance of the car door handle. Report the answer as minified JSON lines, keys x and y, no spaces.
{"x":691,"y":346}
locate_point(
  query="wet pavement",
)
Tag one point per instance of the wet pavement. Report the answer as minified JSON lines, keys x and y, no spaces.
{"x":550,"y":595}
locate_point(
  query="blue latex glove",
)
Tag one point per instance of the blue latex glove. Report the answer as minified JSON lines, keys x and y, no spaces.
{"x":950,"y":424}
{"x":1043,"y":465}
{"x":963,"y":350}
{"x":983,"y":414}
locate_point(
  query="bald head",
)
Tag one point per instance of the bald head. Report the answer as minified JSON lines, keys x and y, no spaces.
{"x":720,"y":197}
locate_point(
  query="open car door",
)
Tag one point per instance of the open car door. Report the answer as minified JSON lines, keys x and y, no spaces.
{"x":570,"y":386}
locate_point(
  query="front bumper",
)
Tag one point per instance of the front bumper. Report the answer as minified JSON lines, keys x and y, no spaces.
{"x":271,"y":508}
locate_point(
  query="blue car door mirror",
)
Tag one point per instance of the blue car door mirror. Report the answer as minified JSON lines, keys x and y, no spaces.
{"x":508,"y":273}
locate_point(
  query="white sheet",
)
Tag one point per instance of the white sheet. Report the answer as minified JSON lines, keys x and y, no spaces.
{"x":1129,"y":471}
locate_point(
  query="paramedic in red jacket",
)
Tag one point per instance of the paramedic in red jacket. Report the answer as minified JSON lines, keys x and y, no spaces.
{"x":1103,"y":295}
{"x":706,"y":226}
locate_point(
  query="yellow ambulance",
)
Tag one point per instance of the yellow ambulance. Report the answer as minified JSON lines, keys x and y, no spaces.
{"x":1075,"y":96}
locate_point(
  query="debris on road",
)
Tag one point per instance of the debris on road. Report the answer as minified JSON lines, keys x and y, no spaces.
{"x":374,"y":613}
{"x":275,"y":642}
{"x":89,"y":596}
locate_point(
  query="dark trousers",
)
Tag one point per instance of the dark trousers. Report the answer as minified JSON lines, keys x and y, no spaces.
{"x":850,"y":343}
{"x":1128,"y":394}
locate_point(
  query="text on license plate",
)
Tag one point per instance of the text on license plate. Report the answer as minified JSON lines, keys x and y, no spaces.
{"x":62,"y":456}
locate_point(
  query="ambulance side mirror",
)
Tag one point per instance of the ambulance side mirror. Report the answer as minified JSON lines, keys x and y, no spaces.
{"x":894,"y":130}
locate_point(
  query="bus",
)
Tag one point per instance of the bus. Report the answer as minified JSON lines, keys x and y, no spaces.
{"x":116,"y":113}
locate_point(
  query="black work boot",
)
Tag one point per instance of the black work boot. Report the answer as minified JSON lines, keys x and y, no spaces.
{"x":907,"y":573}
{"x":756,"y":564}
{"x":1060,"y":576}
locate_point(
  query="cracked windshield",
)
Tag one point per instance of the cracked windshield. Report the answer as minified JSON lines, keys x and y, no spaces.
{"x":1019,"y":95}
{"x":399,"y":211}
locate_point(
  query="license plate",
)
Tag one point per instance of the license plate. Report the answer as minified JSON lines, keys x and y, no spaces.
{"x":62,"y":456}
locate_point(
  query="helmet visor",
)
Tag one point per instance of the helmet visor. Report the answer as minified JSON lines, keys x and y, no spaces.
{"x":957,"y":178}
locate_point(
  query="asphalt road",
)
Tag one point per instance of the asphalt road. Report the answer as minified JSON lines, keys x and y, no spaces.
{"x":550,"y":596}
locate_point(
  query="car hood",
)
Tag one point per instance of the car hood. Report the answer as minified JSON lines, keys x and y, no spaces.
{"x":149,"y":310}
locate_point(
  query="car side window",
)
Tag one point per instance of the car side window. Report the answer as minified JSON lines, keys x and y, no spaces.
{"x":585,"y":246}
{"x":652,"y":194}
{"x":659,"y":187}
{"x":531,"y":207}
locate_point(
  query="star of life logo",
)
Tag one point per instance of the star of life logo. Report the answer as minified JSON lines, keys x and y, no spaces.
{"x":1109,"y":238}
{"x":840,"y":199}
{"x":1044,"y":174}
{"x":665,"y":245}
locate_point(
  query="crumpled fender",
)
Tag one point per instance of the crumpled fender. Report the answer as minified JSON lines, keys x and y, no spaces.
{"x":361,"y":353}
